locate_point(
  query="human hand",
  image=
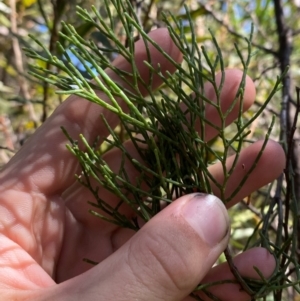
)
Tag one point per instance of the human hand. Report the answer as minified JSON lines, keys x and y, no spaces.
{"x":46,"y":229}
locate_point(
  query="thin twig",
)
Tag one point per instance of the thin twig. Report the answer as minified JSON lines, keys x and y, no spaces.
{"x":19,"y":62}
{"x":284,"y":34}
{"x":233,"y":32}
{"x":57,"y":8}
{"x":236,"y":273}
{"x":7,"y":148}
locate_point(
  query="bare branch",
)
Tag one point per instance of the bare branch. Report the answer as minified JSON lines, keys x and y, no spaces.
{"x":19,"y":61}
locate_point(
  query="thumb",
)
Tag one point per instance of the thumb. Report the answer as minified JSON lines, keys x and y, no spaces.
{"x":167,"y":258}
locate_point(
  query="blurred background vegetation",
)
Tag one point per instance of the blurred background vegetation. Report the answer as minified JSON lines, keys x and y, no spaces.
{"x":26,"y":103}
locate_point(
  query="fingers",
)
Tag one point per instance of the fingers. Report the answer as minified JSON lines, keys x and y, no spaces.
{"x":227,"y":98}
{"x":165,"y":260}
{"x":269,"y":166}
{"x":245,"y":263}
{"x":43,"y":163}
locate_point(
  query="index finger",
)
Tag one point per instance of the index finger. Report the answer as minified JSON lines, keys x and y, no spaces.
{"x":44,"y":164}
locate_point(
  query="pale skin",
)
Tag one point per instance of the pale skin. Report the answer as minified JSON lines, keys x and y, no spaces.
{"x":46,"y":230}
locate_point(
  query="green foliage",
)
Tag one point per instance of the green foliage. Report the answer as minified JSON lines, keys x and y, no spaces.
{"x":174,"y":156}
{"x":271,"y":212}
{"x":164,"y":134}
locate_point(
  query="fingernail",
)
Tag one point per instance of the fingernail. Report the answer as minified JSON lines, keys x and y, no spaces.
{"x":208,"y":217}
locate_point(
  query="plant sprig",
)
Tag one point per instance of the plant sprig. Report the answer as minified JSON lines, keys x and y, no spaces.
{"x":174,"y":156}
